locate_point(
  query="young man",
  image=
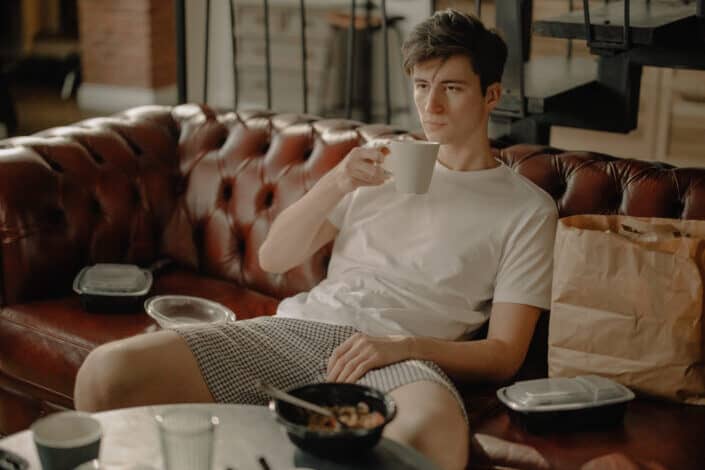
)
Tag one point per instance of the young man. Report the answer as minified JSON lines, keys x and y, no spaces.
{"x":409,"y":278}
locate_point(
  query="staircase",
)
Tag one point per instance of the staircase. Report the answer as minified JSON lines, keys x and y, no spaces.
{"x":599,"y":93}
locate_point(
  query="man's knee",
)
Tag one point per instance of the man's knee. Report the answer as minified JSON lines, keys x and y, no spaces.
{"x":141,"y":370}
{"x":439,"y":433}
{"x":431,"y":421}
{"x":104,"y":377}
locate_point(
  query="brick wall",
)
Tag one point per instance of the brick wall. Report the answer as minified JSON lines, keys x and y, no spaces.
{"x":129,"y":43}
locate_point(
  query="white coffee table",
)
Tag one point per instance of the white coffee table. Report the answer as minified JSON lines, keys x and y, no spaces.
{"x":245,"y":433}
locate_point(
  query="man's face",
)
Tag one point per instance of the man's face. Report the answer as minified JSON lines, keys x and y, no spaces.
{"x":449,"y":99}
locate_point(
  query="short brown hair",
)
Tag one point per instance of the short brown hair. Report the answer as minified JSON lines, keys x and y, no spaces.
{"x":450,"y":32}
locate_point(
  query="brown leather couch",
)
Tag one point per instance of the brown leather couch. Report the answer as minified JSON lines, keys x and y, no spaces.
{"x":202,"y":188}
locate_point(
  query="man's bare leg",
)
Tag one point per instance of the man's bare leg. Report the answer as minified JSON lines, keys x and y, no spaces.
{"x":147,"y":369}
{"x":430,"y":419}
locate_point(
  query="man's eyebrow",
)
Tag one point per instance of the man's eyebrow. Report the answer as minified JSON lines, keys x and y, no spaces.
{"x":458,"y":81}
{"x":445,"y":82}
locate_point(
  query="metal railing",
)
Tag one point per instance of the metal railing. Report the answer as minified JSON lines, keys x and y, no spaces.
{"x":626,"y":35}
{"x":351,"y":52}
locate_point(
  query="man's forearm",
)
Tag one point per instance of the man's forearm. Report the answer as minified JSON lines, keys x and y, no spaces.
{"x":480,"y":360}
{"x":289,"y":239}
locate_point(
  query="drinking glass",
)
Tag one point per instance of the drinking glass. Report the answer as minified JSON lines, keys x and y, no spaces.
{"x":186,"y":435}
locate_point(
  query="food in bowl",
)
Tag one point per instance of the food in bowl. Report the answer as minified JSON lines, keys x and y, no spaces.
{"x":340,"y":442}
{"x":357,"y":416}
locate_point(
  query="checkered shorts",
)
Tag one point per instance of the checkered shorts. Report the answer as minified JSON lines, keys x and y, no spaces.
{"x":286,"y":353}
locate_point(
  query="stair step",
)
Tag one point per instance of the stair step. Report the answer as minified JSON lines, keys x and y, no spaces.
{"x":685,"y":57}
{"x":547,"y":79}
{"x":651,"y":23}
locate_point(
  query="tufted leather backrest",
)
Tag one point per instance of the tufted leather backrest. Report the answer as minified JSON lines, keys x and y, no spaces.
{"x":97,"y":191}
{"x":204,"y":187}
{"x":592,"y":183}
{"x":240,"y":171}
{"x":185,"y":182}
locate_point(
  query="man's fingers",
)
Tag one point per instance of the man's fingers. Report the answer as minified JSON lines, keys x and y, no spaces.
{"x":341,"y":367}
{"x":334,"y":371}
{"x":350,"y":366}
{"x":343,"y":348}
{"x":372,"y":154}
{"x":369,"y":173}
{"x":359,"y":371}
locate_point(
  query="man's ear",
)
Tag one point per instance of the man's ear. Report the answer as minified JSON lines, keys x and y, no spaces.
{"x":492,"y":95}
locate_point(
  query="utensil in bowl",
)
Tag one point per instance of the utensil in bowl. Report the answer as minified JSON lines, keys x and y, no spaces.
{"x":282,"y":395}
{"x":333,"y":444}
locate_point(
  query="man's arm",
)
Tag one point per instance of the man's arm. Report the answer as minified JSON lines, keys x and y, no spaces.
{"x":496,"y":358}
{"x":303,"y":228}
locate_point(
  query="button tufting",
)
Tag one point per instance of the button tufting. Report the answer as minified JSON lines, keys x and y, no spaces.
{"x":677,"y":209}
{"x":55,"y":216}
{"x":54,"y":166}
{"x":307,"y":154}
{"x":560,"y":189}
{"x":95,"y":156}
{"x":268,"y":199}
{"x":226,"y":191}
{"x":240,"y":244}
{"x":199,"y":235}
{"x":136,"y":149}
{"x":136,"y":195}
{"x":180,"y":186}
{"x":96,"y":207}
{"x":264,"y":148}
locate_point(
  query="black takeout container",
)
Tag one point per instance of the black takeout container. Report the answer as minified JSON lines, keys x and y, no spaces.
{"x":587,"y":402}
{"x":113,"y":288}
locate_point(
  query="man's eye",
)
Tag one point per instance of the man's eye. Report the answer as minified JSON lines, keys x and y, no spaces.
{"x":453,"y":88}
{"x":420,"y":86}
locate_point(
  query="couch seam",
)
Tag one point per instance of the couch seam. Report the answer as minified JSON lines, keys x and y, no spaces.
{"x":86,"y":347}
{"x":36,"y":385}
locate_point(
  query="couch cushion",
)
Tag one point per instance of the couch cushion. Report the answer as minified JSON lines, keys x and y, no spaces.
{"x":43,"y":343}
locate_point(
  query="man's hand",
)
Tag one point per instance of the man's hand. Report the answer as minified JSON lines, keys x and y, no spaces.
{"x":361,"y":167}
{"x":361,"y":353}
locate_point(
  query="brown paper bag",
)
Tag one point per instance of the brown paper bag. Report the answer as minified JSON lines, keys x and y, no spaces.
{"x":627,"y":303}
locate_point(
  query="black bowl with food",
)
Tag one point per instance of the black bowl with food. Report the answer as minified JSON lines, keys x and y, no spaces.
{"x":364,"y":412}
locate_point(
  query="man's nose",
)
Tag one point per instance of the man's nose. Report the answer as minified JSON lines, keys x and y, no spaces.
{"x":434,"y":103}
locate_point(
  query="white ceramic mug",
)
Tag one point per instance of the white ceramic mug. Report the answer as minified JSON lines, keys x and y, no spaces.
{"x":411,"y":163}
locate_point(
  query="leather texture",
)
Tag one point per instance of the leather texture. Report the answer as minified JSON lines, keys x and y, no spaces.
{"x":203,"y":187}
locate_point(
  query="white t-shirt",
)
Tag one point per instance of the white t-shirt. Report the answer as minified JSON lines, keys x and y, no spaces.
{"x":432,"y":264}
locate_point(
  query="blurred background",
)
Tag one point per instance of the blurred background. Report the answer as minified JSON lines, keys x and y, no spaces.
{"x":66,"y":60}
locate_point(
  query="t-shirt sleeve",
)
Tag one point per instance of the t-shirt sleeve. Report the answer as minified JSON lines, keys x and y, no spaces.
{"x":526,"y":269}
{"x":337,"y":215}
